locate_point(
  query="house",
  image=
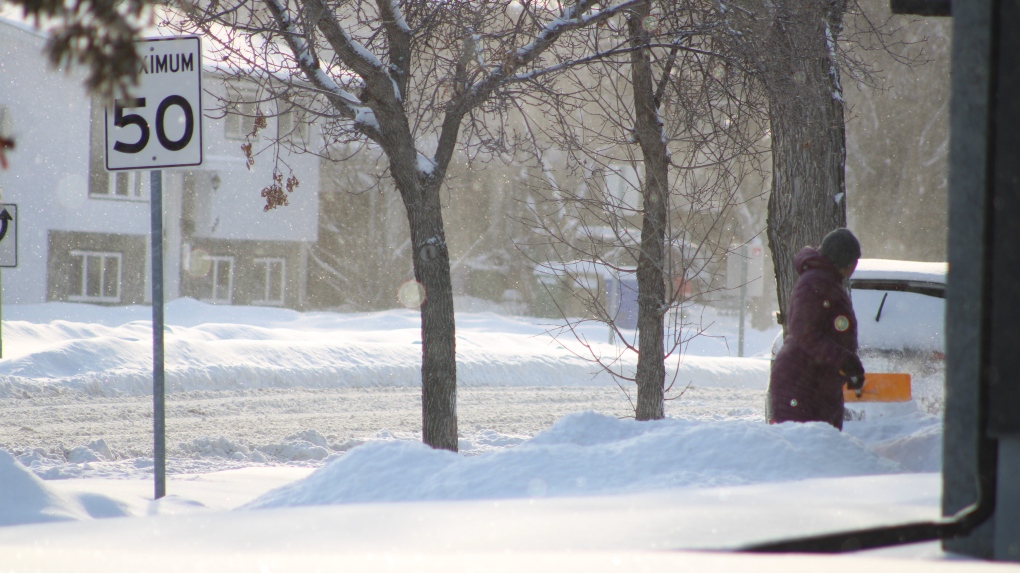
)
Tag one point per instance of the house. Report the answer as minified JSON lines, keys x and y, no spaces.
{"x":84,"y":232}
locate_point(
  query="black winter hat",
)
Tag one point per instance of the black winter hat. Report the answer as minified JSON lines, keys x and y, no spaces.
{"x":841,"y":247}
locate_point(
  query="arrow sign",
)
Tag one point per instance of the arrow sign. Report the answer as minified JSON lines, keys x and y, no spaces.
{"x":8,"y":235}
{"x":5,"y":219}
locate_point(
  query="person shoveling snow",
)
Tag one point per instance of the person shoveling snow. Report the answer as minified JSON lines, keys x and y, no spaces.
{"x":819,"y":354}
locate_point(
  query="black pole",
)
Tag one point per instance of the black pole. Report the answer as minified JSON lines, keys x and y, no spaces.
{"x":158,"y":399}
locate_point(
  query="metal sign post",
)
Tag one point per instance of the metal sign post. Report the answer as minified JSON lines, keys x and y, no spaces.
{"x":159,"y":126}
{"x":158,"y":385}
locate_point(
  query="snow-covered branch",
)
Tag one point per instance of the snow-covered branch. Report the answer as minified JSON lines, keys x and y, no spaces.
{"x":309,"y":64}
{"x":572,"y":18}
{"x":346,"y":103}
{"x":351,"y":52}
{"x":398,"y":34}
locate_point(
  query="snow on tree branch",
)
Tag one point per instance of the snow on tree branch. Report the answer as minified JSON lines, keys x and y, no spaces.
{"x":399,"y":35}
{"x":572,"y":18}
{"x":350,"y":51}
{"x":310,"y":64}
{"x":348,"y":104}
{"x":398,"y":16}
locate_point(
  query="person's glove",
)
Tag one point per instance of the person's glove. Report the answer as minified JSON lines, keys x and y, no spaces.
{"x":853,"y":371}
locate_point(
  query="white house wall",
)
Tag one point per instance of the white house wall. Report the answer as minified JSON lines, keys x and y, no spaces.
{"x":235,"y":210}
{"x":47,"y":175}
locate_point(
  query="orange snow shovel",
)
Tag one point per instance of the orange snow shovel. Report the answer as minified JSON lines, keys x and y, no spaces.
{"x":881,"y":387}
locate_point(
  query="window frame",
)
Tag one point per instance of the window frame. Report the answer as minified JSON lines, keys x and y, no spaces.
{"x":266,"y":275}
{"x":135,"y":179}
{"x":6,"y":120}
{"x":214,"y":270}
{"x":239,"y":120}
{"x":293,"y":123}
{"x":82,"y":289}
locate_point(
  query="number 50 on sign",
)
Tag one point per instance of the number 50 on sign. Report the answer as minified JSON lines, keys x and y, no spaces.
{"x":160,"y":124}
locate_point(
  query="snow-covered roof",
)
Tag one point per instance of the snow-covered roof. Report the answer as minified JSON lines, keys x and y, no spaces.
{"x":888,"y":269}
{"x":9,"y":18}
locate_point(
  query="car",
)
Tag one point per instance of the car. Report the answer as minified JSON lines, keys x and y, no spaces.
{"x":900,"y":308}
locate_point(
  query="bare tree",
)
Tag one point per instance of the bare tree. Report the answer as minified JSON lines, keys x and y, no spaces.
{"x":801,"y":53}
{"x":796,"y":46}
{"x":361,"y":254}
{"x":412,"y":79}
{"x":672,"y":105}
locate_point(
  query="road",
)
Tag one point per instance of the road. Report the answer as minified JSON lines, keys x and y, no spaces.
{"x":341,"y":416}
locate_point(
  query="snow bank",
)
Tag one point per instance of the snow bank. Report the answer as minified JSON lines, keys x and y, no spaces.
{"x":24,"y":498}
{"x":588,"y":454}
{"x":59,"y":347}
{"x":308,"y":448}
{"x":899,"y":432}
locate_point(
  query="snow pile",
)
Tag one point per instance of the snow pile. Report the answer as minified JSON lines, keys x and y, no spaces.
{"x":97,"y":460}
{"x":309,"y":445}
{"x":588,"y":454}
{"x":899,"y":432}
{"x":58,"y":347}
{"x":24,"y":498}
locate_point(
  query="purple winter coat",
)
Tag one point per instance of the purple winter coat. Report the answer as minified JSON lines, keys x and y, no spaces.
{"x":821,"y":335}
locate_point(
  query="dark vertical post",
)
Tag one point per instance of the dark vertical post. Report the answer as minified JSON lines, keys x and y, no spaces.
{"x":158,"y":400}
{"x":969,"y":118}
{"x":1003,"y":384}
{"x":982,"y":443}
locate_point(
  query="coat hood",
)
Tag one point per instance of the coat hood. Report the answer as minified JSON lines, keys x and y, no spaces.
{"x":810,"y":258}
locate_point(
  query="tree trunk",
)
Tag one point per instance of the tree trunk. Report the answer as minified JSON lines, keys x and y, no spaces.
{"x":651,"y":369}
{"x":808,"y":135}
{"x":438,"y":332}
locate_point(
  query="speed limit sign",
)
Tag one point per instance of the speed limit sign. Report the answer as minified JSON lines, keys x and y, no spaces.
{"x":160,"y":124}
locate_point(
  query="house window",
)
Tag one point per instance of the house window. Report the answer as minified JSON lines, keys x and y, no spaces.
{"x":240,"y":119}
{"x":292,"y":125}
{"x":103,"y":184}
{"x":270,"y":286}
{"x":221,"y":270}
{"x":130,"y":185}
{"x":95,"y":276}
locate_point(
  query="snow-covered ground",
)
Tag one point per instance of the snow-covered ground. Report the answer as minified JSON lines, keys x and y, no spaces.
{"x":258,"y":385}
{"x":294,"y":444}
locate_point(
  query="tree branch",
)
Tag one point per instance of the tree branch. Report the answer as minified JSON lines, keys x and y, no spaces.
{"x":398,"y":33}
{"x":346,"y":103}
{"x":361,"y":61}
{"x":571,"y":18}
